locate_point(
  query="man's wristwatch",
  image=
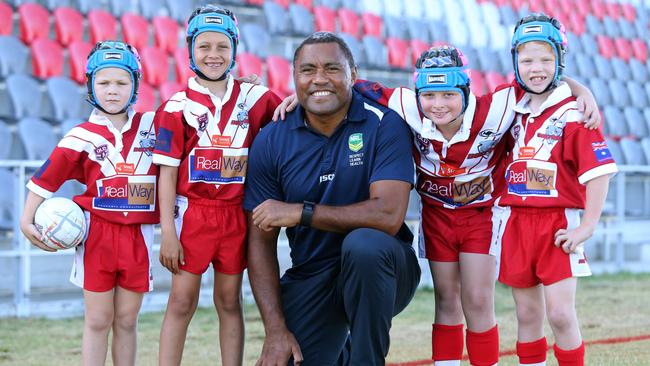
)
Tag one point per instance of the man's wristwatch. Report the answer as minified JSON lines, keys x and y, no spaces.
{"x":307,"y":213}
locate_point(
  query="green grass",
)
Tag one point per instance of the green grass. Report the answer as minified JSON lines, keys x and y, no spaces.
{"x":608,"y":306}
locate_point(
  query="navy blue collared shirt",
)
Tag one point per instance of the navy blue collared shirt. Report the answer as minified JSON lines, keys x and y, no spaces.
{"x":291,"y":162}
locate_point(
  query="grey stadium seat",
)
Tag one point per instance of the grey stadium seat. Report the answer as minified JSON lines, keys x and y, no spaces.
{"x":355,"y":47}
{"x":376,"y":52}
{"x":603,"y":66}
{"x":646,"y":117}
{"x":418,"y":29}
{"x":439,"y":31}
{"x":276,"y":18}
{"x":633,"y":152}
{"x":574,"y":43}
{"x":637,"y":94}
{"x":69,"y":124}
{"x":601,"y":91}
{"x":616,"y":151}
{"x":14,"y":56}
{"x":119,"y":7}
{"x":65,"y":98}
{"x":395,"y":27}
{"x":180,"y":9}
{"x":585,"y":65}
{"x":635,"y":123}
{"x":589,"y":45}
{"x":256,"y":39}
{"x":638,"y":70}
{"x":593,"y":25}
{"x":508,"y":15}
{"x":37,"y":137}
{"x":7,"y":181}
{"x":627,"y":28}
{"x":25,"y":96}
{"x":301,"y":19}
{"x":611,"y":27}
{"x":621,"y":69}
{"x":616,"y":126}
{"x":5,"y":137}
{"x":645,"y":145}
{"x":619,"y":93}
{"x":86,"y":5}
{"x":151,"y":8}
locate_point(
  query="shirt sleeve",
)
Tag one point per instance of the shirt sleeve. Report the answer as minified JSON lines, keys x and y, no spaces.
{"x":588,"y":152}
{"x":170,"y":137}
{"x":62,"y":165}
{"x":374,"y":91}
{"x":393,"y":158}
{"x":262,"y":181}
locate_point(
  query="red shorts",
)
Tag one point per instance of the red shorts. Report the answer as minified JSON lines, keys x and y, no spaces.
{"x":211,"y":232}
{"x":447,"y":232}
{"x":529,"y":256}
{"x":114,"y":255}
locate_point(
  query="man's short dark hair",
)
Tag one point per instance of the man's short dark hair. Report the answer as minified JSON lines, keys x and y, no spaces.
{"x":326,"y":37}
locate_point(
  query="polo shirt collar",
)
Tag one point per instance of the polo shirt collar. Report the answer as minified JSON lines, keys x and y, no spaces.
{"x":558,"y":94}
{"x":99,"y":119}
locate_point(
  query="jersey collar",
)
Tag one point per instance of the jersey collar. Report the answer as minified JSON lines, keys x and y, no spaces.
{"x":99,"y":119}
{"x":558,"y":94}
{"x":195,"y":86}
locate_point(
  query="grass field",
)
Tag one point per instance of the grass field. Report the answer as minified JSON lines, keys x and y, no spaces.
{"x":609,"y":307}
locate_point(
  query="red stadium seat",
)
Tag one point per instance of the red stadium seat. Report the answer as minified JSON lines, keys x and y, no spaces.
{"x":34,"y":22}
{"x":248,"y":63}
{"x":398,"y":53}
{"x":283,"y":3}
{"x":598,"y":9}
{"x":576,"y":23}
{"x":279,"y":73}
{"x":146,"y":99}
{"x":168,"y":89}
{"x":6,"y":19}
{"x":623,"y":48}
{"x":581,"y":7}
{"x":155,"y":66}
{"x":135,"y":29}
{"x":255,"y":2}
{"x":372,"y":24}
{"x":324,"y":19}
{"x":306,"y":3}
{"x":182,"y":65}
{"x":640,"y":50}
{"x":78,"y":54}
{"x":417,"y":48}
{"x":102,"y":26}
{"x":68,"y":25}
{"x":47,"y":58}
{"x":348,"y":22}
{"x":493,"y":79}
{"x":613,"y":10}
{"x":477,"y":83}
{"x":605,"y":46}
{"x":165,"y":31}
{"x":628,"y":11}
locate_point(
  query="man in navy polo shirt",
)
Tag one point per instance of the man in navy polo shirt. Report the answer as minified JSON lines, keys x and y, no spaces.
{"x":337,"y":173}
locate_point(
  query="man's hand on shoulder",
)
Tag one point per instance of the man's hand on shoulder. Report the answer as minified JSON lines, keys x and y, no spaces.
{"x":272,"y":214}
{"x":278,"y":347}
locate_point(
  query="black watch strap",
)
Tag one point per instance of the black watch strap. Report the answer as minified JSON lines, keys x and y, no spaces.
{"x":307,"y":213}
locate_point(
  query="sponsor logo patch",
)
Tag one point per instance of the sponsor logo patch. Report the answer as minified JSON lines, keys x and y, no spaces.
{"x":214,"y":20}
{"x":164,"y":142}
{"x":218,"y":165}
{"x":601,"y":151}
{"x":126,"y":193}
{"x":355,"y":142}
{"x":437,"y":79}
{"x":112,"y":56}
{"x":221,"y":141}
{"x":454,"y":192}
{"x":532,"y":178}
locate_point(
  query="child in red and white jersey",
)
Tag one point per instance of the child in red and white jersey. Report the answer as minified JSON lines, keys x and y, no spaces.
{"x":111,"y":154}
{"x":204,"y":133}
{"x":556,"y":169}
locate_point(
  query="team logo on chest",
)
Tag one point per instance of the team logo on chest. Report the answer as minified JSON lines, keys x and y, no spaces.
{"x":242,"y":116}
{"x":423,"y":144}
{"x":485,"y":146}
{"x":101,"y":152}
{"x":202,"y":121}
{"x":355,"y":142}
{"x":147,"y":143}
{"x":553,"y":131}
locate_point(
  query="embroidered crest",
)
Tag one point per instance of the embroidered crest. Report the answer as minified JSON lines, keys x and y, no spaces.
{"x":242,"y":116}
{"x":423,"y":144}
{"x":202,"y":120}
{"x":101,"y":152}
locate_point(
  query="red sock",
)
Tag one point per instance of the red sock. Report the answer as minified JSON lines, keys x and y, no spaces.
{"x":483,"y":348}
{"x":532,"y":352}
{"x":574,"y":357}
{"x":447,"y":342}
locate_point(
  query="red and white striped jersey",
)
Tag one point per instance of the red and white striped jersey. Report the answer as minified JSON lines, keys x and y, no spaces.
{"x":208,"y":138}
{"x":116,"y":167}
{"x":553,"y":155}
{"x":466,"y":171}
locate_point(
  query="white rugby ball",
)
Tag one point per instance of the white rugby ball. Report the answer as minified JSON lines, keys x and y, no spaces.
{"x":61,"y":222}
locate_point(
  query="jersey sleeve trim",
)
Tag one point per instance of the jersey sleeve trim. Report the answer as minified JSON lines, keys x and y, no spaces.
{"x":39,"y":190}
{"x":165,"y":160}
{"x":597,"y":172}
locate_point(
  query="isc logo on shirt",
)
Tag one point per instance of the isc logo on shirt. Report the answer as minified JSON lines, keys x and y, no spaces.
{"x":214,"y":20}
{"x":437,"y":79}
{"x":218,"y":165}
{"x":126,"y":193}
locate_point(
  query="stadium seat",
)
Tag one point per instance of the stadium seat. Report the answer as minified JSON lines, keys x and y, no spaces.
{"x":490,"y":14}
{"x":637,"y":94}
{"x":621,"y":69}
{"x":78,"y":54}
{"x":84,"y":6}
{"x":594,"y":25}
{"x":68,"y":25}
{"x":415,"y":10}
{"x":146,"y":99}
{"x":309,"y":4}
{"x":256,"y":39}
{"x":155,"y":65}
{"x":439,"y":32}
{"x":640,"y":50}
{"x":34,"y":22}
{"x":248,"y":63}
{"x":165,"y":31}
{"x":594,"y":65}
{"x":7,"y":198}
{"x":69,"y":124}
{"x":101,"y":25}
{"x":635,"y":122}
{"x":283,"y":3}
{"x":69,"y":189}
{"x":417,"y":47}
{"x":5,"y":137}
{"x":47,"y":58}
{"x":627,"y":29}
{"x":623,"y":48}
{"x":168,"y":89}
{"x":614,"y":10}
{"x":302,"y":20}
{"x":180,"y":10}
{"x":151,"y":8}
{"x":6,"y":19}
{"x":589,"y":44}
{"x":615,"y":124}
{"x":628,"y":11}
{"x":332,"y":4}
{"x":182,"y":65}
{"x":348,"y":22}
{"x":396,"y":27}
{"x":372,"y":24}
{"x":38,"y":138}
{"x":324,"y":19}
{"x":376,"y":52}
{"x":121,"y":7}
{"x":615,"y":149}
{"x":459,"y":37}
{"x":398,"y":53}
{"x":418,"y":29}
{"x":632,"y":151}
{"x":477,"y":83}
{"x":276,"y":18}
{"x":641,"y":28}
{"x":24,"y":95}
{"x":14,"y":56}
{"x":598,"y":9}
{"x":638,"y":70}
{"x":279,"y":74}
{"x":619,"y":93}
{"x":135,"y":30}
{"x":605,"y":46}
{"x":645,"y":145}
{"x":611,"y":27}
{"x":355,"y":47}
{"x":647,"y":90}
{"x":64,"y":97}
{"x":508,"y":15}
{"x":493,"y":79}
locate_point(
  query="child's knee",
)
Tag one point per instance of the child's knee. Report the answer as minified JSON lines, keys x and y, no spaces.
{"x":98,"y":321}
{"x":228,"y":302}
{"x":561,"y":317}
{"x":181,"y":305}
